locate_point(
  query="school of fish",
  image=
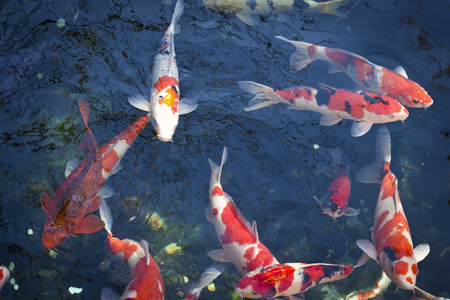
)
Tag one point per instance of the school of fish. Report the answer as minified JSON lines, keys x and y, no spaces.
{"x":383,"y":99}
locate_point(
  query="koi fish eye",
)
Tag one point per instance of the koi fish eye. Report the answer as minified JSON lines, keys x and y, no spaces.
{"x":255,"y":293}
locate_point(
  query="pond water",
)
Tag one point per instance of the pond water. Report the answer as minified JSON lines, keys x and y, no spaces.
{"x":104,"y":54}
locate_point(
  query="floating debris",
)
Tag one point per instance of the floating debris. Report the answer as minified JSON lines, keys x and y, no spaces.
{"x":75,"y":290}
{"x":40,"y":76}
{"x":16,"y":287}
{"x":211,"y":287}
{"x":185,"y":279}
{"x":30,"y":231}
{"x":156,"y":221}
{"x":132,"y":218}
{"x":12,"y":281}
{"x":61,"y":23}
{"x":172,"y":248}
{"x":52,"y":254}
{"x":316,"y":146}
{"x":11,"y":266}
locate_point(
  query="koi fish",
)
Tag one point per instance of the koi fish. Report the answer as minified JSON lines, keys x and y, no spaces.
{"x":206,"y":278}
{"x":381,"y":286}
{"x":164,"y":104}
{"x":111,"y":155}
{"x":126,"y":250}
{"x":4,"y":276}
{"x":334,"y":202}
{"x":239,"y":239}
{"x":334,"y":104}
{"x":374,"y":78}
{"x":76,"y":196}
{"x":290,"y":278}
{"x":393,"y":246}
{"x":146,"y":281}
{"x":248,"y":11}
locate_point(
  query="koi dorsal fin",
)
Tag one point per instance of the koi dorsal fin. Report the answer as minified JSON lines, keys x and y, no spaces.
{"x":272,"y":275}
{"x":90,"y":224}
{"x":144,"y":245}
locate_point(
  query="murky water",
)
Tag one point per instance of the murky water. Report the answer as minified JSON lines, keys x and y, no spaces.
{"x":104,"y":54}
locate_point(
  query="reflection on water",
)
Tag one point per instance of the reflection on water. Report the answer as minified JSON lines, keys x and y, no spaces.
{"x":105,"y":54}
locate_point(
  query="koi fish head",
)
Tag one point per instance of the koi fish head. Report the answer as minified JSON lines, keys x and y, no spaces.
{"x":331,"y":207}
{"x":53,"y":235}
{"x":165,"y":124}
{"x":402,"y":272}
{"x":251,"y":287}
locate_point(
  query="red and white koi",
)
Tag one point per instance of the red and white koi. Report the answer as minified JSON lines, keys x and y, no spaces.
{"x":206,"y":278}
{"x":374,"y":78}
{"x":146,"y":281}
{"x":111,"y":155}
{"x":334,"y":202}
{"x":164,"y":104}
{"x":290,"y":278}
{"x":334,"y":104}
{"x":4,"y":276}
{"x":76,"y":196}
{"x":239,"y":239}
{"x":126,"y":250}
{"x":249,"y":11}
{"x":393,"y":246}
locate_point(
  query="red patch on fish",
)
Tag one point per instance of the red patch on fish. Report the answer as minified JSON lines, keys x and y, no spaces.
{"x":146,"y":280}
{"x":110,"y":160}
{"x":339,"y":58}
{"x":236,"y":229}
{"x":215,"y":212}
{"x":312,"y":50}
{"x":118,"y":247}
{"x":282,"y":274}
{"x":170,"y":85}
{"x":409,"y":279}
{"x":312,"y":274}
{"x":340,"y":188}
{"x":217,"y":191}
{"x":414,"y":269}
{"x":292,"y":95}
{"x":401,"y":267}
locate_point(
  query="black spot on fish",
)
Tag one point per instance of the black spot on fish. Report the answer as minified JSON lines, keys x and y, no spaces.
{"x":175,"y":89}
{"x":391,"y":254}
{"x":291,"y":101}
{"x":297,"y":94}
{"x":373,"y":99}
{"x":251,"y":4}
{"x":306,"y":277}
{"x":445,"y":134}
{"x":324,"y":99}
{"x":272,"y":292}
{"x":415,"y":101}
{"x":348,"y":107}
{"x":330,"y":271}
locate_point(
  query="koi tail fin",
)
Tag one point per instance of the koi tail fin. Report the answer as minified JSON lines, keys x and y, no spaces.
{"x":264,"y":95}
{"x":206,"y":278}
{"x":89,"y":144}
{"x":372,"y":173}
{"x":362,"y":260}
{"x":105,"y":215}
{"x":216,"y":171}
{"x":300,"y":58}
{"x":178,"y":11}
{"x":85,"y":111}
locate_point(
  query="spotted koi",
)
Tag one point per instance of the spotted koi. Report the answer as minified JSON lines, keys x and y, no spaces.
{"x":334,"y":104}
{"x":334,"y":202}
{"x":393,"y":246}
{"x":372,"y":77}
{"x":239,"y":239}
{"x":77,"y":196}
{"x":4,"y":276}
{"x":110,"y":156}
{"x":248,"y":11}
{"x":164,"y":104}
{"x":290,"y":278}
{"x":381,"y":285}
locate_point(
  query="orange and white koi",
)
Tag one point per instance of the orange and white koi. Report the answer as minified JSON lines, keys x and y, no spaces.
{"x":146,"y":281}
{"x":334,"y":202}
{"x":240,"y":243}
{"x":206,"y":278}
{"x":76,"y":196}
{"x":290,"y":278}
{"x":393,"y":246}
{"x":249,"y":11}
{"x":126,"y":250}
{"x":111,"y":155}
{"x":374,"y":78}
{"x":164,"y":104}
{"x":334,"y":104}
{"x":4,"y":276}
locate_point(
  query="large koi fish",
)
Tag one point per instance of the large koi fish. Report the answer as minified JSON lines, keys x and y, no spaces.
{"x":334,"y":104}
{"x":56,"y":205}
{"x":393,"y":246}
{"x":164,"y":104}
{"x":374,"y":78}
{"x":239,"y":239}
{"x":291,"y":278}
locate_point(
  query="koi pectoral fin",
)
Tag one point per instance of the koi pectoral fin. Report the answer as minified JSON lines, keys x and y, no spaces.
{"x":350,"y":212}
{"x":48,"y":202}
{"x":95,"y":205}
{"x":89,"y":224}
{"x":360,"y":128}
{"x":327,"y":120}
{"x":187,"y":105}
{"x":218,"y":255}
{"x":421,"y":251}
{"x":368,"y":248}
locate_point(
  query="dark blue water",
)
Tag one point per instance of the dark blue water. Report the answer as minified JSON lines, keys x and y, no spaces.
{"x":105,"y":55}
